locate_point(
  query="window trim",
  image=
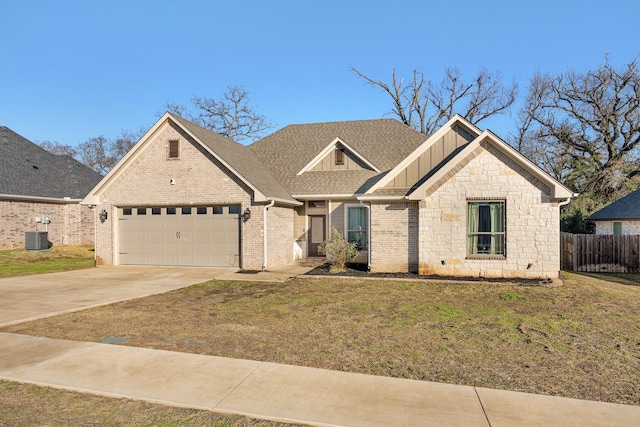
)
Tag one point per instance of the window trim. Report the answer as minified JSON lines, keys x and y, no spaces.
{"x":468,"y":244}
{"x":348,"y":206}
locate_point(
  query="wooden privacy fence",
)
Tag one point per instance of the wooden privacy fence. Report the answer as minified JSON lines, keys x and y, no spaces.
{"x":600,"y":253}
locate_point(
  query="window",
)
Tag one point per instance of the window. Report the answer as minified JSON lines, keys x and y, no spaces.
{"x":171,"y":211}
{"x":126,"y":211}
{"x":155,"y":211}
{"x":217,"y":210}
{"x":201,"y":210}
{"x":234,"y":209}
{"x":486,"y":230}
{"x":357,"y":226}
{"x":316,"y":203}
{"x":339,"y":157}
{"x":174,"y":149}
{"x":186,"y":211}
{"x":142,"y":211}
{"x":617,"y":228}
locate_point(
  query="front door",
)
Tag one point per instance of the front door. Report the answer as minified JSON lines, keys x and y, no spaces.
{"x":316,"y":234}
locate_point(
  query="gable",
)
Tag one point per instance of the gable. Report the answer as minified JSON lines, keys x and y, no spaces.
{"x":235,"y":159}
{"x":300,"y":156}
{"x":338,"y":155}
{"x":194,"y":174}
{"x":488,"y":144}
{"x":438,"y":152}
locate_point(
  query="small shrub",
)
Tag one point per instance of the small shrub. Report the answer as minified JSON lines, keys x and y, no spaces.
{"x":338,"y":251}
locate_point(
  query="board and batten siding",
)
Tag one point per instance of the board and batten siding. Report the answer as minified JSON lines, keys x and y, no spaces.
{"x":440,"y":150}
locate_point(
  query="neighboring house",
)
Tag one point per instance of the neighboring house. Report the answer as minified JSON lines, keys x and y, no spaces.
{"x":461,"y":202}
{"x":36,"y":187}
{"x":620,"y":217}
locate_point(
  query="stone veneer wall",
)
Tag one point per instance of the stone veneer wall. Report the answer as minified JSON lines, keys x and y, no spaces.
{"x":532,"y":220}
{"x":71,"y":224}
{"x":199,"y":180}
{"x":394,"y":237}
{"x":628,"y":227}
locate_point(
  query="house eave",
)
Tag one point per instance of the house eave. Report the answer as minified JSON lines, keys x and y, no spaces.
{"x":60,"y":200}
{"x":326,"y":196}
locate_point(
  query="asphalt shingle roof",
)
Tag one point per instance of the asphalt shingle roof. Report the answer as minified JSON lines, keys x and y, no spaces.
{"x":626,"y":208}
{"x":26,"y":169}
{"x":240,"y":158}
{"x":383,"y":142}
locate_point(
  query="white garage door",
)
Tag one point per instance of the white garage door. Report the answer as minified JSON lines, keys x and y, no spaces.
{"x":187,"y":236}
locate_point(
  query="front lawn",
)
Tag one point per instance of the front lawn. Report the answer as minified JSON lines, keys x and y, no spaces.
{"x":580,"y":340}
{"x":19,"y":262}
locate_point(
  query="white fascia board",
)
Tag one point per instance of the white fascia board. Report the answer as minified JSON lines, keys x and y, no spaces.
{"x":332,"y":145}
{"x":325,"y":196}
{"x":285,"y":201}
{"x":26,"y":198}
{"x":367,"y":198}
{"x":421,"y":149}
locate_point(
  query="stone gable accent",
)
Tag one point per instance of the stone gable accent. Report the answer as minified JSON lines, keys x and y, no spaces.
{"x":532,"y":220}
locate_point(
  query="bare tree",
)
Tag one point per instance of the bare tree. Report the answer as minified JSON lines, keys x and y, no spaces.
{"x":232,"y":116}
{"x":55,"y":147}
{"x":426,"y":106}
{"x":584,"y":128}
{"x":102,"y":154}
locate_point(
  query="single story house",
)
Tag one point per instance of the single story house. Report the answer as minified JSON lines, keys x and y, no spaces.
{"x":40,"y":191}
{"x":460,"y":202}
{"x":620,"y":217}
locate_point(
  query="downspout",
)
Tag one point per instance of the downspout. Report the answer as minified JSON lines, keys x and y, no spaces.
{"x":264,"y":230}
{"x":368,"y":234}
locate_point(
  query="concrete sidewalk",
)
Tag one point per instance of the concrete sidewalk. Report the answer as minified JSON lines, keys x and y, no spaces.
{"x":287,"y":393}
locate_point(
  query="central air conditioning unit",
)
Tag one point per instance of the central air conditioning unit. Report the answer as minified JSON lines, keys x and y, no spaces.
{"x":36,"y":240}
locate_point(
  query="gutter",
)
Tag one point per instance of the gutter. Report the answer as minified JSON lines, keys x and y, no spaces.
{"x":264,"y":232}
{"x":68,"y":200}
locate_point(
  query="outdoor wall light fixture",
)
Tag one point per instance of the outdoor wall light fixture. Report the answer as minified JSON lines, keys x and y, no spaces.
{"x":103,"y":216}
{"x":529,"y":266}
{"x":443,"y":262}
{"x":246,"y":215}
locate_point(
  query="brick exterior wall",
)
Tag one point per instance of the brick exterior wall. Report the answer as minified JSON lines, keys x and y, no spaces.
{"x":628,"y":227}
{"x":394,"y":240}
{"x":280,"y":240}
{"x":71,"y":224}
{"x":532,"y":220}
{"x":199,"y":180}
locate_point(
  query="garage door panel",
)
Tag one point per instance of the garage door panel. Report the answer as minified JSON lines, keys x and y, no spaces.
{"x":182,"y":238}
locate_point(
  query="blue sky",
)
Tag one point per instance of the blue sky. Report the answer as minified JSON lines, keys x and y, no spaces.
{"x":73,"y":70}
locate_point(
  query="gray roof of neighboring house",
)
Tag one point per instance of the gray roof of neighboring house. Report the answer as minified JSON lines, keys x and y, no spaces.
{"x":383,"y":142}
{"x":26,"y":169}
{"x":239,"y":157}
{"x":626,"y":208}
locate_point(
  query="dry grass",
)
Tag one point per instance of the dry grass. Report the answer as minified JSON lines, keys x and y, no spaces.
{"x":19,"y":262}
{"x":67,"y":408}
{"x":581,"y":340}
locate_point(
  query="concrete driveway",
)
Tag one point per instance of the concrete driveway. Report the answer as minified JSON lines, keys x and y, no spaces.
{"x":35,"y":297}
